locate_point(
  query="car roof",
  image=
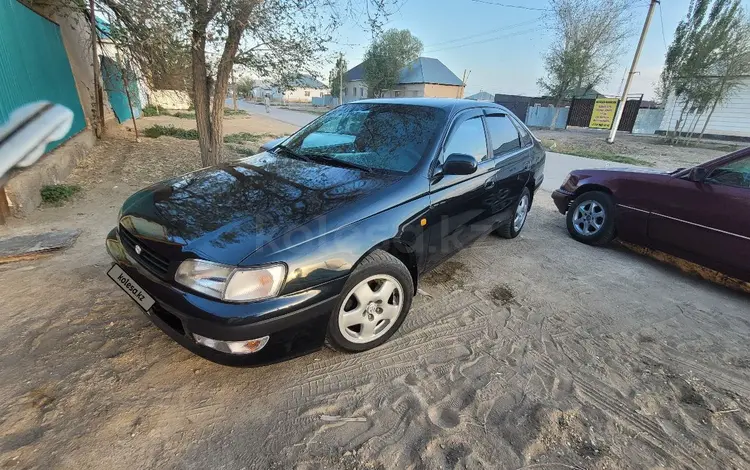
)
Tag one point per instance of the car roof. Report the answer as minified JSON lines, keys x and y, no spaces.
{"x":448,"y":104}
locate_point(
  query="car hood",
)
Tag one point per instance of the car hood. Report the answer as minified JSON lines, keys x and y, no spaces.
{"x":225,"y":213}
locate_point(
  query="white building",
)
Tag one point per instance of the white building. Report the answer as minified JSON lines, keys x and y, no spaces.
{"x":730,"y":119}
{"x":305,"y":89}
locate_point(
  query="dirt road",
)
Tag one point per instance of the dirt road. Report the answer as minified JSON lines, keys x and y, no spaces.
{"x":517,"y":354}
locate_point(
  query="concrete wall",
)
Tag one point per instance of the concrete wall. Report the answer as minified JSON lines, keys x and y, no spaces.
{"x":304,"y":95}
{"x":731,"y":119}
{"x":24,"y":186}
{"x":443,"y":91}
{"x":170,"y":99}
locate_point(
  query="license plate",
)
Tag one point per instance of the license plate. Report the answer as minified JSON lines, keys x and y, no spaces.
{"x":130,"y":287}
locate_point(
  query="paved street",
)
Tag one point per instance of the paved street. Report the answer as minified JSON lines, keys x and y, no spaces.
{"x":558,"y":164}
{"x":284,"y":115}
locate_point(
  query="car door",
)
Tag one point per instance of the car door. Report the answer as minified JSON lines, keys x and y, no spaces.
{"x":511,"y":162}
{"x":707,"y":222}
{"x":459,"y":204}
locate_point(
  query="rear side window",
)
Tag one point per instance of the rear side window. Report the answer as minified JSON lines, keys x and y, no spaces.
{"x":468,"y":139}
{"x":503,"y":134}
{"x":525,"y":135}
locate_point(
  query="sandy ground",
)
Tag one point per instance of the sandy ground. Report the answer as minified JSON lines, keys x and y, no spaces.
{"x":653,"y":149}
{"x":256,"y":123}
{"x":538,"y":352}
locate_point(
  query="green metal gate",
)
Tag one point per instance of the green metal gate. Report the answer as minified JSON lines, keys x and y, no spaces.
{"x":34,"y":65}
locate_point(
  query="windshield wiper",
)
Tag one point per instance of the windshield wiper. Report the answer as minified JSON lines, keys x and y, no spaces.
{"x":294,"y":154}
{"x":336,"y":161}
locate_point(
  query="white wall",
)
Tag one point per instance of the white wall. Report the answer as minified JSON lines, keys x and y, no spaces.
{"x":355,"y":90}
{"x":304,"y":95}
{"x":730,"y":119}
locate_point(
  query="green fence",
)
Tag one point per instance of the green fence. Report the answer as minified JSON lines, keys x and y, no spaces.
{"x":34,"y":65}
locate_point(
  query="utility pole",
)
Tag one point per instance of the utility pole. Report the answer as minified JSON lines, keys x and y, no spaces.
{"x":341,"y":78}
{"x":464,"y":78}
{"x":621,"y":107}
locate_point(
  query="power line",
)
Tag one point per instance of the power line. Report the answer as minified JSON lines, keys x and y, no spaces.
{"x":496,"y":29}
{"x":482,"y":41}
{"x":663,"y":36}
{"x":520,"y":7}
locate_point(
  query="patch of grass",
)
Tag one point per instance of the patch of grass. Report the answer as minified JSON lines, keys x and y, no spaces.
{"x":183,"y":115}
{"x":158,"y":131}
{"x":232,"y":112}
{"x":244,"y":150}
{"x":242,"y":137}
{"x":149,"y":111}
{"x":57,"y":194}
{"x":593,"y":154}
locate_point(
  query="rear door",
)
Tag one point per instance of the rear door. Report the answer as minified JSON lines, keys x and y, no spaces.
{"x":510,"y":159}
{"x":708,"y":222}
{"x":460,"y":204}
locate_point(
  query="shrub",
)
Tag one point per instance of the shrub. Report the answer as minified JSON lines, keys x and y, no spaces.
{"x":232,"y":112}
{"x":57,"y":194}
{"x":149,"y":111}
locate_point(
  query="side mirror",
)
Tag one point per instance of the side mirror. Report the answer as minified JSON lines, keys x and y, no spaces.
{"x":459,"y":164}
{"x":698,"y":174}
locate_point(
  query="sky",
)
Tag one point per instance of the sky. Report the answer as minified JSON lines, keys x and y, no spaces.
{"x":502,"y":46}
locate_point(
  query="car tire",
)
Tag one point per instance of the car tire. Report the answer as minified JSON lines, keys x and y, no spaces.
{"x":513,"y":226}
{"x":366,"y":316}
{"x":591,"y":218}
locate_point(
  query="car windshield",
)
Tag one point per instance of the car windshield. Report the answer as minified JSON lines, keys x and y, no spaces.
{"x":389,"y":137}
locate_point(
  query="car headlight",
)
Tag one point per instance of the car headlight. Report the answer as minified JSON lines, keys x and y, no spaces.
{"x":570,"y":182}
{"x":231,"y":283}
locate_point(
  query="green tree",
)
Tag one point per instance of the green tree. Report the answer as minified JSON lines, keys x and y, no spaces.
{"x":386,"y":56}
{"x":245,"y":87}
{"x":709,"y":48}
{"x":589,"y":38}
{"x":335,"y":76}
{"x":272,"y":38}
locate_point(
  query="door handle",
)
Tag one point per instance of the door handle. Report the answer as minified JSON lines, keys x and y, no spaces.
{"x":489,"y":184}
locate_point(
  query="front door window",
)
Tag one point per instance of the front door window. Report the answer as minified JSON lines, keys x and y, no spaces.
{"x":736,"y":173}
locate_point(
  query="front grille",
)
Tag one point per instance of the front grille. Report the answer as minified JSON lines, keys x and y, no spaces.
{"x":150,"y":259}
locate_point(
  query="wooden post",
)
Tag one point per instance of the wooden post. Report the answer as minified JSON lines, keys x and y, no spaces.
{"x":98,"y":95}
{"x":126,"y":82}
{"x":234,"y":91}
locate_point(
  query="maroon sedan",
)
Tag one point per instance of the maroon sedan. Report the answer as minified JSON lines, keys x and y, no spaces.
{"x":700,"y":214}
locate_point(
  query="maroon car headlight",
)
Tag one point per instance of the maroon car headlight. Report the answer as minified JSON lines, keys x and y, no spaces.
{"x":570,"y":183}
{"x":230,"y":283}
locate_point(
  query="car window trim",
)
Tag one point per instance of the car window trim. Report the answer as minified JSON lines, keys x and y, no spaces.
{"x":507,"y":153}
{"x":457,"y":120}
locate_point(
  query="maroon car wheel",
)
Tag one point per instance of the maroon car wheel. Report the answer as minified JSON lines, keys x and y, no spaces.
{"x":591,"y":218}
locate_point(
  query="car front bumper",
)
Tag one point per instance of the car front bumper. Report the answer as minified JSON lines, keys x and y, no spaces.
{"x":296,"y":323}
{"x":562,"y":199}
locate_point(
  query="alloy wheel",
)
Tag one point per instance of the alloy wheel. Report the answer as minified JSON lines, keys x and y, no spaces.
{"x":371,"y":308}
{"x":588,"y":218}
{"x":522,"y":211}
